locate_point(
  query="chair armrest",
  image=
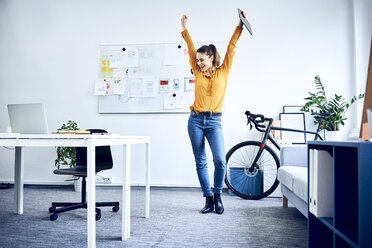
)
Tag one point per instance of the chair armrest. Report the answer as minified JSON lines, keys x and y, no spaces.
{"x":293,"y":155}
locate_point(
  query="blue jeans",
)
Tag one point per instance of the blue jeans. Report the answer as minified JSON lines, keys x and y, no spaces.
{"x":199,"y":127}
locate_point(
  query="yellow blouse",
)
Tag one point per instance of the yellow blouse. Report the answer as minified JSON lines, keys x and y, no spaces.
{"x":210,"y":90}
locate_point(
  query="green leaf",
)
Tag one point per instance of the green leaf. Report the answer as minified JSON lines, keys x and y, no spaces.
{"x":336,"y":105}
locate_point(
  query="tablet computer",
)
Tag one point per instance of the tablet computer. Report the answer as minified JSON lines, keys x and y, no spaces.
{"x":245,"y":21}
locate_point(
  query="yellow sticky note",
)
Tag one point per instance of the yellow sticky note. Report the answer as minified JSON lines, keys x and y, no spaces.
{"x":105,"y":66}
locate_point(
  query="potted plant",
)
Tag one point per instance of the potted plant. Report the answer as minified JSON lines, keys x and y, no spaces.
{"x":67,"y":155}
{"x":336,"y":105}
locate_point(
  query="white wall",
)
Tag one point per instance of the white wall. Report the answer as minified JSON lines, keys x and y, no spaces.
{"x":362,"y":33}
{"x":49,"y":53}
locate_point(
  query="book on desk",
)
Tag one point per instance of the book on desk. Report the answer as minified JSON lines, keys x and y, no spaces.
{"x":63,"y":131}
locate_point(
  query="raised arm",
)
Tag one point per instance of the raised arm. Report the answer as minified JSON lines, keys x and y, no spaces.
{"x":230,"y":51}
{"x":190,"y":45}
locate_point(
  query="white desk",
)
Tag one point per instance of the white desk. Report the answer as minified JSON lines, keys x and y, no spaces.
{"x":89,"y":141}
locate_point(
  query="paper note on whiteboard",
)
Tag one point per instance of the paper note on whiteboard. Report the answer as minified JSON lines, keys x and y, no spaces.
{"x":174,"y":101}
{"x":143,"y":87}
{"x":121,"y":56}
{"x":101,"y":87}
{"x":151,"y":86}
{"x":176,"y":54}
{"x":189,"y":83}
{"x":118,"y":88}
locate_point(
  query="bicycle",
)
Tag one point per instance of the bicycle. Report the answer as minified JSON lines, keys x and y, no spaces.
{"x":252,"y":166}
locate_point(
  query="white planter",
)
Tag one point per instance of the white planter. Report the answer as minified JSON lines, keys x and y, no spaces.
{"x":77,"y":184}
{"x":333,"y":136}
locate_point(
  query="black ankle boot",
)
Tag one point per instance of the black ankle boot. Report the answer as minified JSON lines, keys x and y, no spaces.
{"x":218,"y":204}
{"x":209,"y":207}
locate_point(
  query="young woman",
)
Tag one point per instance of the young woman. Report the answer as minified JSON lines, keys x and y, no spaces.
{"x":205,"y":118}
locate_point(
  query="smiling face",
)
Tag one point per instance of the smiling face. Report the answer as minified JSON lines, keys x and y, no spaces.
{"x":204,"y":61}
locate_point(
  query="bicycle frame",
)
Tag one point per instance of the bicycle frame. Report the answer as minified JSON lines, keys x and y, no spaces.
{"x":268,"y":136}
{"x":291,"y":130}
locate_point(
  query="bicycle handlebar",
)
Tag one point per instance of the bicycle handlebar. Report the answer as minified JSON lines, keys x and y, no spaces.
{"x":257,"y":121}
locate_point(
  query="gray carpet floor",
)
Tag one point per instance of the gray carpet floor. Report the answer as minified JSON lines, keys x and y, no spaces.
{"x":174,"y":221}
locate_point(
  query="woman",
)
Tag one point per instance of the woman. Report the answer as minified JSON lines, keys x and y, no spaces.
{"x":205,"y":118}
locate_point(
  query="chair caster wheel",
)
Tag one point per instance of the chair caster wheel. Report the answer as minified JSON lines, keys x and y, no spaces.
{"x":98,"y":216}
{"x":52,"y":209}
{"x":53,"y":217}
{"x":115,"y":209}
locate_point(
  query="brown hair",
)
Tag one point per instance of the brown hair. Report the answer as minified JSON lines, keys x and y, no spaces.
{"x":211,"y":50}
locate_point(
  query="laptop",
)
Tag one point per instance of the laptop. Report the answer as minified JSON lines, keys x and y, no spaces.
{"x":28,"y":118}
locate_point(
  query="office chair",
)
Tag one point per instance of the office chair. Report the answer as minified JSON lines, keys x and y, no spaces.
{"x":103,"y":162}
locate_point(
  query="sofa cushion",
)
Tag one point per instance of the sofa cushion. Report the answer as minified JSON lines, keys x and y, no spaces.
{"x":293,"y":155}
{"x":295,"y":179}
{"x":285,"y":176}
{"x":300,"y":184}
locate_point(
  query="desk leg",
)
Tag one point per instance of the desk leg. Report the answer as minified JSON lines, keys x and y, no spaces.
{"x":147,"y":212}
{"x":18,"y":179}
{"x":91,"y":193}
{"x":125,"y":225}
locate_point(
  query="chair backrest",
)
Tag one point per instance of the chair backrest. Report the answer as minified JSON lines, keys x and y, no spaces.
{"x":103,"y":155}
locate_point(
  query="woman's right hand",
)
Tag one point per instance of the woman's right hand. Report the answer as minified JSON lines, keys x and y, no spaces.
{"x":240,"y":21}
{"x":183,"y":22}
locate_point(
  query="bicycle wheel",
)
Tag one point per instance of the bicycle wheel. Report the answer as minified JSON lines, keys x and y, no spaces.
{"x":249,"y":183}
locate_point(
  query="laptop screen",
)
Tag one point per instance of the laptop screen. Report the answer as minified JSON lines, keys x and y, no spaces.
{"x":28,"y":118}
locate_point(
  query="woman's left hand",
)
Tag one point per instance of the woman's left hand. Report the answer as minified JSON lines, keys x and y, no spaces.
{"x":183,"y":22}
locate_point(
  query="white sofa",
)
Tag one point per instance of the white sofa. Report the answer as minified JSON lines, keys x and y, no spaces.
{"x":292,"y":176}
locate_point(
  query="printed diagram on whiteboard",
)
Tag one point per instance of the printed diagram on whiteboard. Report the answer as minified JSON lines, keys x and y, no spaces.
{"x":146,"y":78}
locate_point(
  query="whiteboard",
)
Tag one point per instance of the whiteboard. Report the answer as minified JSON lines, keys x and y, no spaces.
{"x":147,"y":78}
